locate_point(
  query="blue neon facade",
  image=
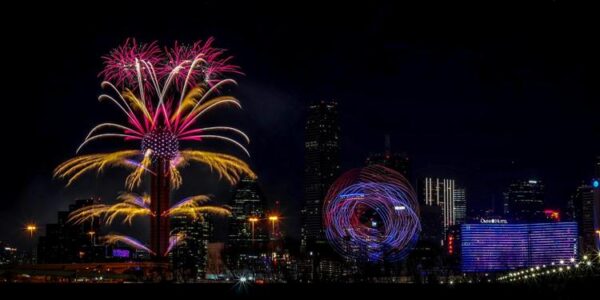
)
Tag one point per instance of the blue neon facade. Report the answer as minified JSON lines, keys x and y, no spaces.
{"x":501,"y":247}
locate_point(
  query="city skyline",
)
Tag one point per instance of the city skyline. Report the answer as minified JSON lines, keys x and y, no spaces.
{"x":534,"y":146}
{"x":299,"y":149}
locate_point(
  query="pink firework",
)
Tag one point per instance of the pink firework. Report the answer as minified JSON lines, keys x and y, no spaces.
{"x":197,"y":63}
{"x":163,"y":95}
{"x":122,"y":64}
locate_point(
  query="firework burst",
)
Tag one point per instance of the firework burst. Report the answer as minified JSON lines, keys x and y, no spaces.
{"x":163,"y":95}
{"x":156,"y":119}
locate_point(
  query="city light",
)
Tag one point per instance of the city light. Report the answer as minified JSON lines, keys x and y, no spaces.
{"x":91,"y":234}
{"x":253,"y":220}
{"x":31,"y":228}
{"x":596,"y":183}
{"x":377,"y":228}
{"x":492,"y":247}
{"x":273,"y":219}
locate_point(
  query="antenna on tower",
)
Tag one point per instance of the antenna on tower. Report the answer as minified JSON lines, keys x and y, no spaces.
{"x":388,"y":145}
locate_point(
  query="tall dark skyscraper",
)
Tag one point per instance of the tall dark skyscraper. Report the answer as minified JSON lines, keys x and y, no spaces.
{"x":524,"y":201}
{"x":190,"y":258}
{"x":248,"y":229}
{"x":583,"y":213}
{"x":395,"y":161}
{"x":248,"y":207}
{"x":322,"y":166}
{"x":66,"y":242}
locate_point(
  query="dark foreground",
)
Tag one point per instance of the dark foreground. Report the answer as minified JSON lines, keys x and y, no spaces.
{"x":580,"y":289}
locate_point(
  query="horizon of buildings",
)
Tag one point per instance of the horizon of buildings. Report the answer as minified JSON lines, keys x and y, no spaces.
{"x":255,"y":247}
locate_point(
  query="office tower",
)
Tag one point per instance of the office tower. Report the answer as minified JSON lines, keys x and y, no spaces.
{"x":189,"y":259}
{"x":440,"y":192}
{"x":393,"y":160}
{"x":248,"y":223}
{"x":460,"y":206}
{"x":524,"y":201}
{"x":248,"y":234}
{"x":501,"y":247}
{"x":322,"y":166}
{"x":583,"y":213}
{"x":66,"y":242}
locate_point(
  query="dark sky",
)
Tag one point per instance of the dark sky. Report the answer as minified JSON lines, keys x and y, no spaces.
{"x":483,"y":95}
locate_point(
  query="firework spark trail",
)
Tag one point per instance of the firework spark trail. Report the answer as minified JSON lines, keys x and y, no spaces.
{"x":225,"y":165}
{"x":195,"y":207}
{"x":135,"y":178}
{"x":116,"y":238}
{"x":89,"y":212}
{"x":75,"y":167}
{"x":174,"y":241}
{"x":131,"y":206}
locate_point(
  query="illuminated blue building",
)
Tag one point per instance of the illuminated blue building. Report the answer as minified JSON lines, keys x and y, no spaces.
{"x":501,"y":247}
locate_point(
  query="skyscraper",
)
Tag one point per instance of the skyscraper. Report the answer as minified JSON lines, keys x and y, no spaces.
{"x":189,"y":259}
{"x":322,"y":166}
{"x":248,"y":228}
{"x":440,"y":192}
{"x":248,"y":224}
{"x":395,"y":161}
{"x":524,"y":201}
{"x":460,"y":206}
{"x":583,"y":213}
{"x":67,"y":242}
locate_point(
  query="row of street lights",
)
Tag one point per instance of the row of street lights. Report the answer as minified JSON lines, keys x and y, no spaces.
{"x":273,"y":218}
{"x":554,"y":268}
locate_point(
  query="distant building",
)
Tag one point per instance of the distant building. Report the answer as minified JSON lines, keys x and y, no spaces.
{"x":190,"y":258}
{"x":460,"y":206}
{"x":396,"y":161}
{"x":322,"y":167}
{"x":248,"y":234}
{"x":452,"y":248}
{"x":66,"y":242}
{"x":440,"y":192}
{"x":248,"y":223}
{"x":493,"y":247}
{"x":524,"y":201}
{"x":8,"y":254}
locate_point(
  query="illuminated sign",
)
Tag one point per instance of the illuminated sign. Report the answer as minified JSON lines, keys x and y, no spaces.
{"x":501,"y":247}
{"x":124,"y":253}
{"x":596,"y":183}
{"x":450,"y":244}
{"x":493,"y":221}
{"x":552,"y":214}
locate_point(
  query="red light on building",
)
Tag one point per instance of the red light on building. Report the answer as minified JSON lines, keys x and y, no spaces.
{"x":450,"y":244}
{"x":552,"y":214}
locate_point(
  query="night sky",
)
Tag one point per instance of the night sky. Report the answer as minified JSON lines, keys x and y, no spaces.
{"x":484,"y":97}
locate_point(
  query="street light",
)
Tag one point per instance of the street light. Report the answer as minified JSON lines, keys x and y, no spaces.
{"x":252,"y":221}
{"x":91,"y":234}
{"x":31,"y":228}
{"x":273,"y":219}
